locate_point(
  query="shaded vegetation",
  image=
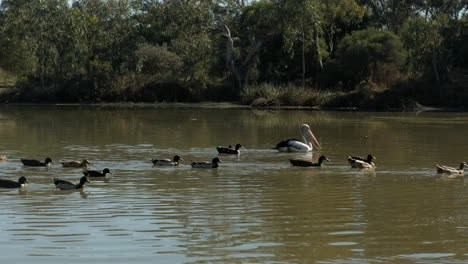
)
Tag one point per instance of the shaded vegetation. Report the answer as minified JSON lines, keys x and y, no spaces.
{"x":335,"y":53}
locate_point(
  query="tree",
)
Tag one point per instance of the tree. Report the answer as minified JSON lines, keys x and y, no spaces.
{"x":364,"y":54}
{"x":256,"y":26}
{"x":434,"y":45}
{"x":338,"y":16}
{"x":302,"y":24}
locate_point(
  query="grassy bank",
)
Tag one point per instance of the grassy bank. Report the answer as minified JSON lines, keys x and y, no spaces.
{"x":404,"y":95}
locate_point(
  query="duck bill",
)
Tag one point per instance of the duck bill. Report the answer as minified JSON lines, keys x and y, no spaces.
{"x":313,"y":140}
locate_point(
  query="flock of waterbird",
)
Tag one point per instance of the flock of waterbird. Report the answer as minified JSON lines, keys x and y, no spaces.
{"x":289,"y":145}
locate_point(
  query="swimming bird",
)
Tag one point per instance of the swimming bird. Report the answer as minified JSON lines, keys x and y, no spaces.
{"x":167,"y":162}
{"x":37,"y":163}
{"x":369,"y":158}
{"x":230,"y":150}
{"x":69,"y":185}
{"x":450,"y":170}
{"x":75,"y":164}
{"x":14,"y":184}
{"x":212,"y":164}
{"x":360,"y":163}
{"x":294,"y":145}
{"x":93,"y":173}
{"x":306,"y":163}
{"x":3,"y":157}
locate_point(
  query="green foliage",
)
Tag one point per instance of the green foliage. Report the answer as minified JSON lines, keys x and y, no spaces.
{"x":366,"y":53}
{"x":434,"y":46}
{"x":93,"y":50}
{"x":157,"y":60}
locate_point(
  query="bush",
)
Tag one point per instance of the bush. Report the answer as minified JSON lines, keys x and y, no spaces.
{"x":369,"y":54}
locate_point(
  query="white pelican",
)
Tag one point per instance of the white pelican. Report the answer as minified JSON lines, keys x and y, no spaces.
{"x":294,"y":145}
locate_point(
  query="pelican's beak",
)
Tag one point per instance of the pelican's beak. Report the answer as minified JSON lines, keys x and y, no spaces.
{"x":313,"y":139}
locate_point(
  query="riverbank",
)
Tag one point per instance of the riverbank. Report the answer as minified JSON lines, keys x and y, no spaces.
{"x":367,"y":96}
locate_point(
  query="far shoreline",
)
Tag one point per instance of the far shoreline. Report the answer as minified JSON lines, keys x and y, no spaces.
{"x":233,"y":105}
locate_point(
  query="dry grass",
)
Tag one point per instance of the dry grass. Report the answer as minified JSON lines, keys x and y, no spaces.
{"x":286,"y":95}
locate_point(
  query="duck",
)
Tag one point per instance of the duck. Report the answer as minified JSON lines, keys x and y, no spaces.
{"x":167,"y":162}
{"x":369,"y":158}
{"x":93,"y":173}
{"x":360,"y":163}
{"x":14,"y":184}
{"x":294,"y":145}
{"x":212,"y":164}
{"x":3,"y":157}
{"x":306,"y":163}
{"x":450,"y":170}
{"x":37,"y":163}
{"x":230,"y":150}
{"x":75,"y":164}
{"x":69,"y":185}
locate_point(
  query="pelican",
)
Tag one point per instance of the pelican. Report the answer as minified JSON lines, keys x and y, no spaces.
{"x":294,"y":145}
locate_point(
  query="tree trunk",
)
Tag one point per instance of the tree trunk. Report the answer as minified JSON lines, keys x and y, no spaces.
{"x":303,"y":60}
{"x":434,"y":65}
{"x":317,"y":50}
{"x":240,"y":72}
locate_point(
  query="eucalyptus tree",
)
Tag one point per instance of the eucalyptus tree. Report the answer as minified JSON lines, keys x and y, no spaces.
{"x":338,"y":18}
{"x":435,"y":45}
{"x":108,"y":40}
{"x":188,"y":26}
{"x":17,"y":44}
{"x":302,"y":25}
{"x":256,"y":25}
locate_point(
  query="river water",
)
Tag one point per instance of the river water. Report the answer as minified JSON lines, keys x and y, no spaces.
{"x":254,"y":208}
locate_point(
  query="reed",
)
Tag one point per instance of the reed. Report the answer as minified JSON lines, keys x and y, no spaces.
{"x":267,"y":94}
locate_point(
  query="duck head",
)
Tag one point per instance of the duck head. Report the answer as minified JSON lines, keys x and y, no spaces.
{"x":177,"y":158}
{"x":23,"y":180}
{"x":84,"y":180}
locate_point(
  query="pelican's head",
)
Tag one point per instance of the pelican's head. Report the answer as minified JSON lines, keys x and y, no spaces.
{"x":309,"y":136}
